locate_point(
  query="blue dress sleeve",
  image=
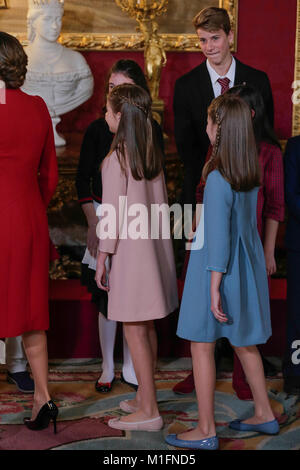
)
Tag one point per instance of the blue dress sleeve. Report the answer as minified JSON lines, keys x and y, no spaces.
{"x":218,"y":201}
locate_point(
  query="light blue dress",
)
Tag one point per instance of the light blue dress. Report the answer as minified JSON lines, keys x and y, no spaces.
{"x":231,"y":246}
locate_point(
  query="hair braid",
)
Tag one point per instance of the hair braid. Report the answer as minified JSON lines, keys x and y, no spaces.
{"x":129,"y":100}
{"x":218,"y":136}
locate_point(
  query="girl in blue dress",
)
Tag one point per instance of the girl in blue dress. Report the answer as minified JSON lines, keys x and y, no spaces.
{"x":226,"y":288}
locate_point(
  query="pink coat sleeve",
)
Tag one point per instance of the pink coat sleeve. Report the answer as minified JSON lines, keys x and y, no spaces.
{"x":114,"y":184}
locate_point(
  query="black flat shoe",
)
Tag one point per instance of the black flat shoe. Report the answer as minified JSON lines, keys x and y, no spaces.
{"x":104,"y":387}
{"x":48,"y":411}
{"x":134,"y":386}
{"x":291,"y":385}
{"x":269,"y":369}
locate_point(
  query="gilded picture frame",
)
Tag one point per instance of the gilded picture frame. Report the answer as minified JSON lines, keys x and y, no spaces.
{"x":111,"y":37}
{"x":296,"y":85}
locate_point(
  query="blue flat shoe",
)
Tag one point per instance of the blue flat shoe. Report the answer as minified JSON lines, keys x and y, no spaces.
{"x":271,"y":427}
{"x":211,"y":443}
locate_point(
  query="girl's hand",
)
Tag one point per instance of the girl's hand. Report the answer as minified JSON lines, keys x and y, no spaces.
{"x":92,"y":240}
{"x":270,"y":262}
{"x":100,"y":276}
{"x":216,"y":307}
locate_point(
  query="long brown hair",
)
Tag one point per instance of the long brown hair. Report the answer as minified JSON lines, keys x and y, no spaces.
{"x":135,"y":136}
{"x":234,"y":151}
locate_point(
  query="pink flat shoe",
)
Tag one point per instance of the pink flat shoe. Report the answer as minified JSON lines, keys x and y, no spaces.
{"x":124,"y":405}
{"x":151,"y":425}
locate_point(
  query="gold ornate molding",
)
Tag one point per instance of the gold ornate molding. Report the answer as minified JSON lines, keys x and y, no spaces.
{"x":3,"y":4}
{"x":121,"y":42}
{"x":296,"y":84}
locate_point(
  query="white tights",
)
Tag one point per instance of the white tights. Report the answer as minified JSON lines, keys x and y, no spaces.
{"x":107,"y":336}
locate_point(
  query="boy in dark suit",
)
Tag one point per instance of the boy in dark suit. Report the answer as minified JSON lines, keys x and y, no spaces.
{"x":291,"y":363}
{"x":194,"y":92}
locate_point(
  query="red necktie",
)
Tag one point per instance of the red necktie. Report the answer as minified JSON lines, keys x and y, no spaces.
{"x":224,"y":82}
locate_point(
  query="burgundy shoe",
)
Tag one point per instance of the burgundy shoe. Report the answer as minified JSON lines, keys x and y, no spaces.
{"x":185,"y":386}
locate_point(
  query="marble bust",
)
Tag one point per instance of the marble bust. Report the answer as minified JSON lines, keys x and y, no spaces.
{"x":59,"y":75}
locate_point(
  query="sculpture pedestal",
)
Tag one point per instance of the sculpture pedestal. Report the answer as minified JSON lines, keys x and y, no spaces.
{"x":58,"y":139}
{"x":158,"y":107}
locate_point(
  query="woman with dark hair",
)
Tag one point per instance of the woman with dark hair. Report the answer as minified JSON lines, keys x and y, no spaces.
{"x":262,"y":129}
{"x":28,"y":177}
{"x":95,"y":146}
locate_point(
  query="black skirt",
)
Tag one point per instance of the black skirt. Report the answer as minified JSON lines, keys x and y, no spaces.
{"x":99,"y":296}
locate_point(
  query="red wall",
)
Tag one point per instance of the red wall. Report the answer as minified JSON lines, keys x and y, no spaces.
{"x":266,"y":40}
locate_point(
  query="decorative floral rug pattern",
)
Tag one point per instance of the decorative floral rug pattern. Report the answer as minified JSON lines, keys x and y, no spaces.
{"x":83,"y":413}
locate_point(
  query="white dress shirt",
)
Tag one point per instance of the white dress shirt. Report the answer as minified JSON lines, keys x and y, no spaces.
{"x":214,"y":76}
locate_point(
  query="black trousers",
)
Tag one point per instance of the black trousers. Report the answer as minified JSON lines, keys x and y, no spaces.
{"x":291,"y":363}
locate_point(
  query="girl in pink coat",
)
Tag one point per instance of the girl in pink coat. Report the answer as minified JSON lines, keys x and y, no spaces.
{"x":142,"y":280}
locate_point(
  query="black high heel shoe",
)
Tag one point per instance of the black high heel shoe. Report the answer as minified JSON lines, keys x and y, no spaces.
{"x":48,"y":411}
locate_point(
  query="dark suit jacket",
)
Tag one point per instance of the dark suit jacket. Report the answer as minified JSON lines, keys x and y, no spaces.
{"x":292,"y":192}
{"x":193,"y":94}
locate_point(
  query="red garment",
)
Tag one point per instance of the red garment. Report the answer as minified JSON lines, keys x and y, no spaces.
{"x":224,"y":82}
{"x":270,"y":198}
{"x":53,"y":253}
{"x":28,"y":177}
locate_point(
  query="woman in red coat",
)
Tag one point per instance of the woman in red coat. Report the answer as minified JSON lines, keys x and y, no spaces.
{"x":28,"y":177}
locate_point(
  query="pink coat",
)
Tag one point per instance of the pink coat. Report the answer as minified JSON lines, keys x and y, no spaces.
{"x":142,"y":279}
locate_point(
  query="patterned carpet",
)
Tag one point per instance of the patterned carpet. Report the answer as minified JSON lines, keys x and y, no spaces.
{"x":83,"y":413}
